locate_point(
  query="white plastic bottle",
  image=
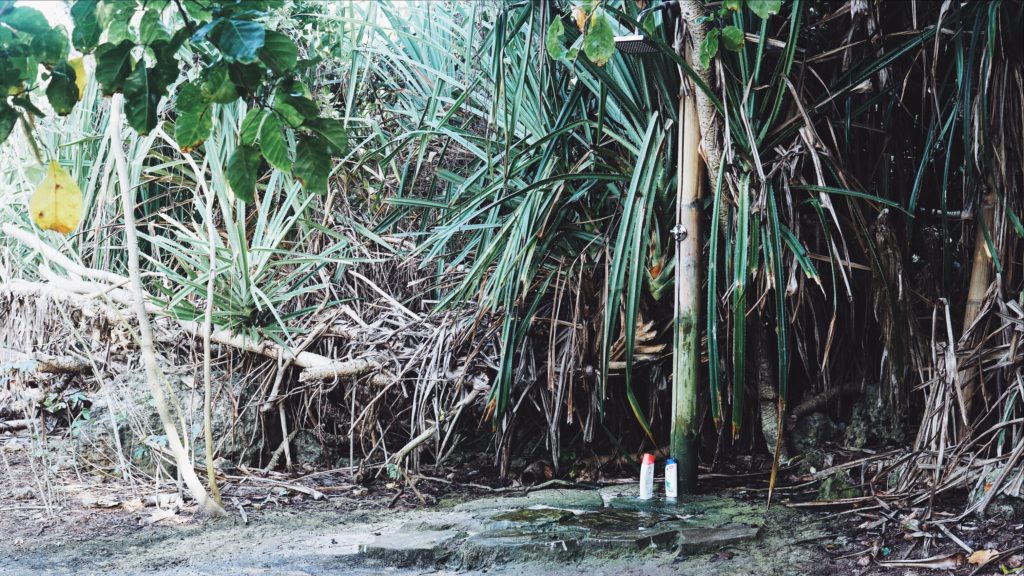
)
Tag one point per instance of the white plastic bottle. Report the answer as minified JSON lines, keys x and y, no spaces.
{"x":671,"y":479}
{"x":647,"y":477}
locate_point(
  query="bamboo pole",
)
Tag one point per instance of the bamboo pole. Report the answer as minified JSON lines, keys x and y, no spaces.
{"x":686,"y":337}
{"x":981,"y":277}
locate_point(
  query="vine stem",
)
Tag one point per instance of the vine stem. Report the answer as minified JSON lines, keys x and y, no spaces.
{"x":154,"y":375}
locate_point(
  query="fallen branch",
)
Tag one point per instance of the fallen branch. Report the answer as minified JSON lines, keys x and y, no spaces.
{"x":345,"y":369}
{"x":426,"y":434}
{"x":85,"y":295}
{"x":14,"y":425}
{"x":45,"y":363}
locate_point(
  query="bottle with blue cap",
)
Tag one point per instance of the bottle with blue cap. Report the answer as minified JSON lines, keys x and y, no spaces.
{"x":671,"y":487}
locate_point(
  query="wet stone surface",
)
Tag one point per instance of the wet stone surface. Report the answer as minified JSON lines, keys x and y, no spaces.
{"x":564,"y":525}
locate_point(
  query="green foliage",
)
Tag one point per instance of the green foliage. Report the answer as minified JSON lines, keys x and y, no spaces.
{"x":194,"y":117}
{"x":242,"y":170}
{"x":240,"y":59}
{"x":61,"y":92}
{"x":312,"y":164}
{"x":278,"y":53}
{"x":765,"y":8}
{"x":599,"y":40}
{"x":113,"y":64}
{"x":709,"y":47}
{"x":238,"y":40}
{"x":554,"y":40}
{"x":732,"y":38}
{"x":272,"y":144}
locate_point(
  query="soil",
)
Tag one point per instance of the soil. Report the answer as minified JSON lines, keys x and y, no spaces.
{"x":58,"y":519}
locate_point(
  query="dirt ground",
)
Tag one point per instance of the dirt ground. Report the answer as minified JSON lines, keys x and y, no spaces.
{"x":60,"y":519}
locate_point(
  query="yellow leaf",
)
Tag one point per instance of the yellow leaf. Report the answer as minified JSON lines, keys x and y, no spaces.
{"x":580,"y":16}
{"x":81,"y":77}
{"x":982,"y":556}
{"x":56,"y":203}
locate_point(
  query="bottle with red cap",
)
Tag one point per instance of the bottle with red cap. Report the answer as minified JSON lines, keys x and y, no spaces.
{"x":647,"y":477}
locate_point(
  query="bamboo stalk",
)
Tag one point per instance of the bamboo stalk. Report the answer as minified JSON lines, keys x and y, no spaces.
{"x":686,"y":340}
{"x":981,"y":277}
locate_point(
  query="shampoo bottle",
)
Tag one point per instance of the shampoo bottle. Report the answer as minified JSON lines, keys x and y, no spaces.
{"x":647,"y":477}
{"x":671,"y":488}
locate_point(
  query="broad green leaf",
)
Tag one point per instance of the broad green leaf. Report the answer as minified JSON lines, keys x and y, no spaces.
{"x":165,"y":70}
{"x":333,"y":133}
{"x":25,"y":19}
{"x":243,"y":168}
{"x":113,"y":65}
{"x":18,"y":66}
{"x":732,"y":38}
{"x":238,"y":40}
{"x":51,"y":47}
{"x":56,"y":204}
{"x":708,"y":48}
{"x":272,"y":144}
{"x":86,"y":30}
{"x":195,"y":117}
{"x":141,"y":100}
{"x":198,"y":9}
{"x":291,"y":100}
{"x":312,"y":164}
{"x":151,"y":28}
{"x":246,"y":77}
{"x":279,"y":52}
{"x":217,"y":85}
{"x":62,"y":92}
{"x":599,"y":42}
{"x":251,"y":125}
{"x":555,"y":39}
{"x":115,"y":17}
{"x":8,"y":117}
{"x":765,"y":8}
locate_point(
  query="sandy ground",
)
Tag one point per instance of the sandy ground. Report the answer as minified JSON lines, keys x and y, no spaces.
{"x":66,"y":520}
{"x":322,"y":542}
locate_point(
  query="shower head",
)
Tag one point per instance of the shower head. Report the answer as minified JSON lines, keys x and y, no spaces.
{"x":635,"y":44}
{"x":638,"y":43}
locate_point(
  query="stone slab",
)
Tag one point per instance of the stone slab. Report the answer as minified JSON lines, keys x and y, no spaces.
{"x":506,"y":546}
{"x":556,"y":498}
{"x":406,"y":549}
{"x":702,"y":539}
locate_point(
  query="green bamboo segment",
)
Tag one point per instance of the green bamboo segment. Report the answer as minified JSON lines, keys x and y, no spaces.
{"x":739,"y":304}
